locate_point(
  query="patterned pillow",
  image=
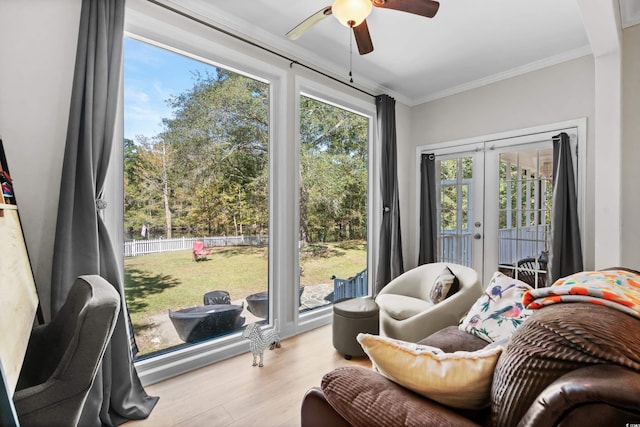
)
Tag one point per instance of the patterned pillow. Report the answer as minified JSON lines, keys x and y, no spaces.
{"x":445,"y":285}
{"x":460,"y":380}
{"x":497,"y":313}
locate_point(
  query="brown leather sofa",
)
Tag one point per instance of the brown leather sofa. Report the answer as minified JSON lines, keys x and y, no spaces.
{"x":572,"y":364}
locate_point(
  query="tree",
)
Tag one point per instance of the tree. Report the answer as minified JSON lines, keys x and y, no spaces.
{"x":207,"y":171}
{"x":333,"y":172}
{"x":210,"y":162}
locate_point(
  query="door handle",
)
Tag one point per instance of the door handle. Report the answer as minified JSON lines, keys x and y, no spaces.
{"x":477,"y":236}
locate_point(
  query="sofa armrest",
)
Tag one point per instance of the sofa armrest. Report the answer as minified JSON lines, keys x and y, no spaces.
{"x":317,"y":412}
{"x":607,"y":390}
{"x":365,"y":398}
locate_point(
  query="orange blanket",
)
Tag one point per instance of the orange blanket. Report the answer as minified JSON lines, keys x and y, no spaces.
{"x":619,"y":289}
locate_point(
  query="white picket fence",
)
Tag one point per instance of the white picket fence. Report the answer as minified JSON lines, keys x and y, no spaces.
{"x":141,"y":247}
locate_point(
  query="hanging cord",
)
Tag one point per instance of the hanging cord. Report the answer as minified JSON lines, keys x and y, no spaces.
{"x":350,"y":57}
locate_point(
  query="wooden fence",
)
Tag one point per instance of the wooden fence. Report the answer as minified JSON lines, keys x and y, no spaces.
{"x":142,"y":247}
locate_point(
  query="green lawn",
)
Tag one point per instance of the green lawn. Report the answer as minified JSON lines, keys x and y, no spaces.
{"x":156,"y":282}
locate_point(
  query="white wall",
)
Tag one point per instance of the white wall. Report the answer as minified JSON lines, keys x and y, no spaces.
{"x":630,"y":249}
{"x":405,"y":150}
{"x":37,"y":52}
{"x":554,"y":94}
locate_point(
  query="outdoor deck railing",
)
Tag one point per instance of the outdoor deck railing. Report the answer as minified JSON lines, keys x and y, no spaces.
{"x":353,"y":287}
{"x":513,"y":244}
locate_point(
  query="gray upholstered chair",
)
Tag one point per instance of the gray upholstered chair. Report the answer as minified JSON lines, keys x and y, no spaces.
{"x":63,"y":355}
{"x":406,"y":312}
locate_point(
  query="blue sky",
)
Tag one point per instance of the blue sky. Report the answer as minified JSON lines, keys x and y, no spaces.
{"x":151,"y":76}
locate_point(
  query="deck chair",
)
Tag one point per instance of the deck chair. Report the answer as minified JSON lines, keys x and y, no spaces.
{"x":199,"y":252}
{"x":216,"y":297}
{"x":532,"y":271}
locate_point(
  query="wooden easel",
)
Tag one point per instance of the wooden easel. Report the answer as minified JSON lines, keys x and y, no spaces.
{"x":20,"y":301}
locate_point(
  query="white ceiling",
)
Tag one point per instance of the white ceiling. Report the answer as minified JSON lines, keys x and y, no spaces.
{"x":467,"y":44}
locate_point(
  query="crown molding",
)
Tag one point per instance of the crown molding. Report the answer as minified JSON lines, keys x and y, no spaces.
{"x":514,"y":72}
{"x":629,"y":12}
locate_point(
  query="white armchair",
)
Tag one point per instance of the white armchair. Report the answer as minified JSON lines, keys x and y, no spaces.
{"x":406,"y":310}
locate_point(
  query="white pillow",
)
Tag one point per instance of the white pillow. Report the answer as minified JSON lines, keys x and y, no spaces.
{"x":445,"y":283}
{"x":499,"y":311}
{"x":459,"y":380}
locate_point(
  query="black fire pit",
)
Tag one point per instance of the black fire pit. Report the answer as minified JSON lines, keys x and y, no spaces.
{"x":206,"y":321}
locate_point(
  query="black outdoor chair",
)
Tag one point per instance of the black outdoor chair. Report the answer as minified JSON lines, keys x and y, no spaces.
{"x":528,"y":268}
{"x":217,"y":297}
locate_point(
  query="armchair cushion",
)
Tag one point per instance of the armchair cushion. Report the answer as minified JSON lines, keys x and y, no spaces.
{"x":460,"y":380}
{"x":402,"y":307}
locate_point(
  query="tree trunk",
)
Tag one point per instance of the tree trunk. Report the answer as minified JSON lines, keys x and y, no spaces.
{"x":165,"y":192}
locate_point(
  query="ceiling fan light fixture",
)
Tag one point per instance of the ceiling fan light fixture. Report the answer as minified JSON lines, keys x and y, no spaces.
{"x":351,"y":13}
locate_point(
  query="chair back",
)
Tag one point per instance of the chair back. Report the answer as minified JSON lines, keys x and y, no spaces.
{"x":528,"y":268}
{"x":64,"y":355}
{"x":217,"y":297}
{"x":198,"y":245}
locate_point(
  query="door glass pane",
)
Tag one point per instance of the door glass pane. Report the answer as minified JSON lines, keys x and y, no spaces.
{"x":455,"y":210}
{"x":524,"y":213}
{"x":196,"y":164}
{"x":333,"y":203}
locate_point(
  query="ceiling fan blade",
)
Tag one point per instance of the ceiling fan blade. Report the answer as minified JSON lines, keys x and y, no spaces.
{"x":308,"y":23}
{"x":363,"y":38}
{"x":427,"y":8}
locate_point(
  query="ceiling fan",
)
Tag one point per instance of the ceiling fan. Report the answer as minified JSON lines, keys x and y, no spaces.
{"x":353,"y":14}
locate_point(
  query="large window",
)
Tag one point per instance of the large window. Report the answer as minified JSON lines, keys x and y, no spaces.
{"x":259,"y":169}
{"x":334,"y":147}
{"x":196,"y":163}
{"x":198,"y":190}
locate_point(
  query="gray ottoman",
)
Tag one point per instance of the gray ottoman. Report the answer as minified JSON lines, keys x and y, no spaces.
{"x":351,"y":317}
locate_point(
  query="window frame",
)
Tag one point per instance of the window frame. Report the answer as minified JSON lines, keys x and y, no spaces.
{"x":148,"y":23}
{"x":323,"y":93}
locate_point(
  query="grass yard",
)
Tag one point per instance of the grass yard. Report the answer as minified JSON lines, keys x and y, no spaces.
{"x":155,"y":283}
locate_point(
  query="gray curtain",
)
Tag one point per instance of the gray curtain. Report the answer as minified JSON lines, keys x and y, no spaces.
{"x":390,"y":263}
{"x":82,"y":244}
{"x":566,"y":251}
{"x":428,"y":210}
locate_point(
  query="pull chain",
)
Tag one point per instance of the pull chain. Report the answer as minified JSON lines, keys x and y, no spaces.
{"x":350,"y":58}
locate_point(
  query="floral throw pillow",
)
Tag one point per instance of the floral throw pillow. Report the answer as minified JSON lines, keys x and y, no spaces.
{"x":445,"y":285}
{"x":499,"y":311}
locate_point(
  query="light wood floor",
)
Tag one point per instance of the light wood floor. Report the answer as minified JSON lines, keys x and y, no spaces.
{"x":234,"y":393}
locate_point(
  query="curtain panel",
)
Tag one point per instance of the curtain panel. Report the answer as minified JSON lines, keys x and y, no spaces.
{"x":565,"y":257}
{"x":390,"y":264}
{"x":428,"y":210}
{"x":82,"y":244}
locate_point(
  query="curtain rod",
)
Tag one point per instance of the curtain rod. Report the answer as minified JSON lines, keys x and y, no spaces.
{"x":254,"y":44}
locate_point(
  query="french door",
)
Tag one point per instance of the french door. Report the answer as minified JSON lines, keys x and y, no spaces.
{"x":494,"y":205}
